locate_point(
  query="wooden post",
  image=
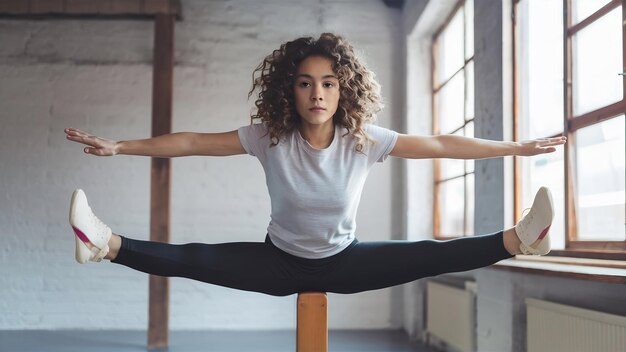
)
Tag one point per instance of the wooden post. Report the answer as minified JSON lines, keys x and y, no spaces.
{"x":162,"y":87}
{"x":312,"y":334}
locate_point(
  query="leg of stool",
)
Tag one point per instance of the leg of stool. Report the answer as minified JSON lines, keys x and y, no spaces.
{"x":312,"y":335}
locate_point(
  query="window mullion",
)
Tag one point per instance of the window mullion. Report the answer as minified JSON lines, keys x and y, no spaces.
{"x":593,"y":17}
{"x":571,"y":232}
{"x":597,"y":116}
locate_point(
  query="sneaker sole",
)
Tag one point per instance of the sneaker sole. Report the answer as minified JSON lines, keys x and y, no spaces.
{"x":82,"y":251}
{"x":73,"y":205}
{"x":549,"y":196}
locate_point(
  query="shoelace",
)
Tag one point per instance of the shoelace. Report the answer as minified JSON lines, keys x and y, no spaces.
{"x":97,"y":222}
{"x":528,"y":218}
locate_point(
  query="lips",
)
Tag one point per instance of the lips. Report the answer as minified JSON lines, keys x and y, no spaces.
{"x":317,"y":109}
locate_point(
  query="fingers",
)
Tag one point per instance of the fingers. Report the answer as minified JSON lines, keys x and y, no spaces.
{"x":542,"y":145}
{"x":557,"y":140}
{"x":549,"y":142}
{"x":72,"y":132}
{"x":95,"y":145}
{"x":548,"y":145}
{"x":75,"y":132}
{"x":79,"y":136}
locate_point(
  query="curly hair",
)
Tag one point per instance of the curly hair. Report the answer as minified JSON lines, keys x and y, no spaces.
{"x":359,"y":93}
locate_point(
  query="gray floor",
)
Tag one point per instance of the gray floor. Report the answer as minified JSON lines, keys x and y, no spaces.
{"x":192,"y":341}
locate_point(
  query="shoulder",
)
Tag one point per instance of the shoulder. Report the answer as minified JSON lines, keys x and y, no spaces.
{"x":255,"y":128}
{"x":254,"y":138}
{"x":379,"y":133}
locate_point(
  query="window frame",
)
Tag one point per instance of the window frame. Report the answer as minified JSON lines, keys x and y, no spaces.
{"x":436,"y":87}
{"x":571,"y":124}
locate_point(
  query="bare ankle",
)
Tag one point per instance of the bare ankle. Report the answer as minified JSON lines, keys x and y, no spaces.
{"x":511,"y":241}
{"x":115,"y":242}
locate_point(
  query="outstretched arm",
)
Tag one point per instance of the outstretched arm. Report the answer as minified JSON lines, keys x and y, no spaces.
{"x":458,"y":147}
{"x":165,"y":146}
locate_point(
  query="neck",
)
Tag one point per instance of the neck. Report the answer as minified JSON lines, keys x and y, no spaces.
{"x":318,"y":136}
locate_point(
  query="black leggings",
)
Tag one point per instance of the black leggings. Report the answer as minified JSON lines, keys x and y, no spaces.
{"x":262,"y":267}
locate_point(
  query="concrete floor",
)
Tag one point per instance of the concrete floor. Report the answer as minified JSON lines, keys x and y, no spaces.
{"x":201,"y":341}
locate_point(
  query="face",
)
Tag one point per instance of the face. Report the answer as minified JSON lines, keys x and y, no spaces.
{"x":316,"y":91}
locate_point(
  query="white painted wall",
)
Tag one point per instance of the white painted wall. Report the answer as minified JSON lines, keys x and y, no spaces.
{"x":96,"y":75}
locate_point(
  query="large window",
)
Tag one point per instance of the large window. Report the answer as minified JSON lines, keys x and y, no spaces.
{"x":568,"y":59}
{"x":453,"y":113}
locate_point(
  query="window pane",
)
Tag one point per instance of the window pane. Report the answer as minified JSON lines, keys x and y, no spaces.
{"x":539,"y":60}
{"x":451,"y":168}
{"x":546,"y":170}
{"x":469,"y":205}
{"x":451,"y":204}
{"x":469,"y":29}
{"x":600,"y":154}
{"x":450,"y":49}
{"x":582,"y":9}
{"x":597,"y":60}
{"x":469,"y":97}
{"x":469,"y":132}
{"x":450,"y":105}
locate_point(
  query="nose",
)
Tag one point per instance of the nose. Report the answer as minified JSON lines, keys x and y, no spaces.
{"x":316,"y":93}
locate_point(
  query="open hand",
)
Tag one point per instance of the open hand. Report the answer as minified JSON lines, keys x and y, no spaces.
{"x":95,"y":145}
{"x":540,"y":145}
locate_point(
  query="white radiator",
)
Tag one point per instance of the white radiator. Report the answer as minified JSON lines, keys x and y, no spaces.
{"x":557,"y":327}
{"x":451,"y":316}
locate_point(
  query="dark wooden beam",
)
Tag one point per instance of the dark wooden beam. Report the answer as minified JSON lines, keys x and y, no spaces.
{"x":397,"y":4}
{"x":162,"y":89}
{"x":89,"y":8}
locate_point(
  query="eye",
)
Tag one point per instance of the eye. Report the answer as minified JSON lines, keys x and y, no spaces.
{"x":304,"y":84}
{"x":328,"y":84}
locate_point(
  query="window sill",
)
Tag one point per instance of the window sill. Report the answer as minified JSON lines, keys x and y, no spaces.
{"x":597,"y":253}
{"x":612,"y":271}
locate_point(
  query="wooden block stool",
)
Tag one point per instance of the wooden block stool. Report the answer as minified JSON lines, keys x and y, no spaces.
{"x":312,"y":335}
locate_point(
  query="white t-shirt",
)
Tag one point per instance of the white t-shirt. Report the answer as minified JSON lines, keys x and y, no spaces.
{"x":315,"y":192}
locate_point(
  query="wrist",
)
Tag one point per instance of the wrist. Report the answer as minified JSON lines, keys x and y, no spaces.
{"x":516,"y":148}
{"x":117,"y":147}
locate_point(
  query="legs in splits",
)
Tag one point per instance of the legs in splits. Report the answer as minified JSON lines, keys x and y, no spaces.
{"x":262,"y":267}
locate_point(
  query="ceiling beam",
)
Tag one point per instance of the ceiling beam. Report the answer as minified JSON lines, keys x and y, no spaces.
{"x":89,"y":8}
{"x":396,"y":4}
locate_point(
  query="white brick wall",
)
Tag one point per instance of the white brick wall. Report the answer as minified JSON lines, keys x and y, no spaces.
{"x":96,"y":75}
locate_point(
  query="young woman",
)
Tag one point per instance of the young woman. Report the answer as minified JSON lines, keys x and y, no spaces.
{"x":316,"y":143}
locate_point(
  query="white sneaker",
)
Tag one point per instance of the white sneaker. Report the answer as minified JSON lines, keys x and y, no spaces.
{"x":88,"y":229}
{"x":533,"y":229}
